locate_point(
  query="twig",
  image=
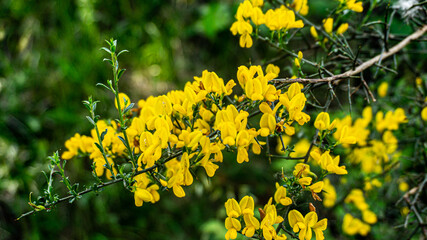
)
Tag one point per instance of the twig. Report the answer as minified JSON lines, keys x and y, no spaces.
{"x":338,"y":78}
{"x":99,"y":186}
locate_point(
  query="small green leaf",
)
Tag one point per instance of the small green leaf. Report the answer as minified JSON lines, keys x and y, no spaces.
{"x":103,"y":134}
{"x":107,"y":50}
{"x":121,"y":71}
{"x":103,"y":85}
{"x":99,"y":147}
{"x":128,"y":108}
{"x":122,"y":51}
{"x":90,"y":120}
{"x":123,"y":140}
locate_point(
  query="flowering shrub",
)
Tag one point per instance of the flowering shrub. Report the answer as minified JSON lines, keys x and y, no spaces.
{"x":340,"y":158}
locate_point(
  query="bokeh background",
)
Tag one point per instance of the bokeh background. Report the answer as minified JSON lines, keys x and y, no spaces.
{"x":50,"y":61}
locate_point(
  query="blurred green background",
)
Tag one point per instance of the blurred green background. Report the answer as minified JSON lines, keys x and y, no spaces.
{"x":50,"y":61}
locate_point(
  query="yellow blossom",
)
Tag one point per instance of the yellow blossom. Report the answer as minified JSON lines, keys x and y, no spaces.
{"x":424,"y":114}
{"x":356,"y":197}
{"x":232,"y":208}
{"x":369,"y":216}
{"x":328,"y":25}
{"x":122,"y":99}
{"x":352,"y":226}
{"x":252,"y":224}
{"x":323,"y":122}
{"x":418,"y":81}
{"x":353,"y":5}
{"x":271,"y":68}
{"x":300,"y":6}
{"x":382,"y":89}
{"x":313,"y":32}
{"x":305,"y":225}
{"x":317,"y":187}
{"x":232,"y":225}
{"x":342,"y":28}
{"x":280,"y":196}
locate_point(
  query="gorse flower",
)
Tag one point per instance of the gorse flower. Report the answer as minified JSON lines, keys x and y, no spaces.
{"x":322,"y":122}
{"x":305,"y":225}
{"x":280,"y":196}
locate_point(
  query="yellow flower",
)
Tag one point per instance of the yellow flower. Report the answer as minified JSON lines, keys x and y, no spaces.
{"x":304,"y":225}
{"x":404,"y":211}
{"x":382,"y":89}
{"x":328,"y":25}
{"x":355,"y":6}
{"x":233,"y":208}
{"x":270,"y":218}
{"x":300,"y":6}
{"x":424,"y":114}
{"x":418,"y":81}
{"x":280,"y":196}
{"x":356,"y":197}
{"x":241,"y":27}
{"x":403,"y":186}
{"x":305,"y":181}
{"x":342,"y":28}
{"x":345,"y":137}
{"x":327,"y":163}
{"x":297,"y":64}
{"x":258,"y":16}
{"x":317,"y":187}
{"x":246,"y":41}
{"x":301,"y":170}
{"x":72,"y":146}
{"x":122,"y":99}
{"x":232,"y":225}
{"x":142,"y":195}
{"x":271,"y":68}
{"x":352,"y":226}
{"x":247,"y":205}
{"x":251,"y":223}
{"x":313,"y":32}
{"x":281,"y":18}
{"x":323,"y":122}
{"x":369,"y":216}
{"x":257,"y":3}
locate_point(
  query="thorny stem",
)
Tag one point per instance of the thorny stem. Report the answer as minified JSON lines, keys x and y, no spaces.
{"x":350,"y":73}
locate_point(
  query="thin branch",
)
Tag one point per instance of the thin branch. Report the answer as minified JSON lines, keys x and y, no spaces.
{"x":99,"y":186}
{"x":338,"y":78}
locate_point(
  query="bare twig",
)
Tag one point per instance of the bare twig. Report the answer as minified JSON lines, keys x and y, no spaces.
{"x":338,"y":78}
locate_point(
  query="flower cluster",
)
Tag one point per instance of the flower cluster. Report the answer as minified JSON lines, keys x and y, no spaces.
{"x":278,"y":20}
{"x":352,"y":225}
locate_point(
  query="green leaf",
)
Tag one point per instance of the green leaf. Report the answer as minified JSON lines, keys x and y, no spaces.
{"x":90,"y":120}
{"x":123,"y":140}
{"x":128,"y":108}
{"x":103,"y":134}
{"x":99,"y":147}
{"x":121,"y":71}
{"x":122,"y":51}
{"x":107,"y":50}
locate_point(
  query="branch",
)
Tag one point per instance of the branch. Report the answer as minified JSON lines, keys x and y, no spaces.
{"x":338,"y":78}
{"x":99,"y":186}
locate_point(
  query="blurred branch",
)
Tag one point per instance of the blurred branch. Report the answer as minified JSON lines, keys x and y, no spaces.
{"x":338,"y":78}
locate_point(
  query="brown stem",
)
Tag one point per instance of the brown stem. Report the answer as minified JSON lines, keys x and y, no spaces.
{"x":338,"y":78}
